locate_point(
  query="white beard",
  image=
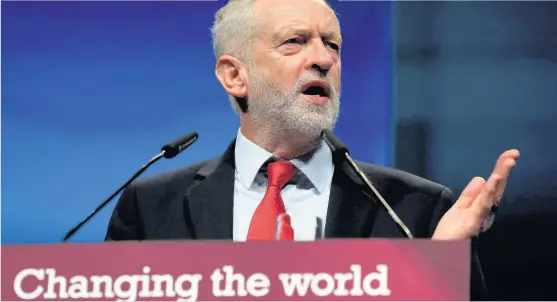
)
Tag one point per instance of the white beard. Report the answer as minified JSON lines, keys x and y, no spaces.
{"x":279,"y":114}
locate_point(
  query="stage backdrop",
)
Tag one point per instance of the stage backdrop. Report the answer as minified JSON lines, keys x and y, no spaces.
{"x":92,"y":90}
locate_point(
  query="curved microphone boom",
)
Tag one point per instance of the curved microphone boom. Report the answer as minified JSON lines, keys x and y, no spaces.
{"x":340,"y":153}
{"x":169,"y":150}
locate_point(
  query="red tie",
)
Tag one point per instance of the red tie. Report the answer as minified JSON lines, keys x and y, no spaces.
{"x":263,"y":224}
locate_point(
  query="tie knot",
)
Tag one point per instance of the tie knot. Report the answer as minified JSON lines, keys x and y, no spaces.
{"x":279,"y":173}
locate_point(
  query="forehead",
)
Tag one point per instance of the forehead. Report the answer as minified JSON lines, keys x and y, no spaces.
{"x":278,"y":17}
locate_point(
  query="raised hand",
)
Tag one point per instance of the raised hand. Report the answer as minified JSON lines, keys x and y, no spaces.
{"x":466,"y":217}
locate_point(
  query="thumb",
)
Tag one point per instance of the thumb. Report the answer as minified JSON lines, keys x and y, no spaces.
{"x":470,"y":193}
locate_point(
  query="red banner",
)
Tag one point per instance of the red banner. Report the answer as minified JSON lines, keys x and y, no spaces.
{"x":342,"y":270}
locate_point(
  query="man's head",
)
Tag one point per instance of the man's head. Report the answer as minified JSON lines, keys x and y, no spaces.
{"x":283,"y":57}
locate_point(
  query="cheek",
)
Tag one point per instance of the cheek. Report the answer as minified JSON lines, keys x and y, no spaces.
{"x":334,"y":75}
{"x":287,"y":73}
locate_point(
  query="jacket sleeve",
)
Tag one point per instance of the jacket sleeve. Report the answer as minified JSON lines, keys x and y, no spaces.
{"x":125,"y":222}
{"x":478,"y":289}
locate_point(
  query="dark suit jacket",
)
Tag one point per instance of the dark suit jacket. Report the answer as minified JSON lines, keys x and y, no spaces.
{"x":196,"y":203}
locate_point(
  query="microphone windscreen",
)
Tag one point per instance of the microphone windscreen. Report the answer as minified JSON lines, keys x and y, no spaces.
{"x":334,"y":143}
{"x":178,"y":145}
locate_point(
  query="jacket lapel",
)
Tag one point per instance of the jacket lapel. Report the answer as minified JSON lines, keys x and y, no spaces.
{"x":350,"y":213}
{"x":211,"y":201}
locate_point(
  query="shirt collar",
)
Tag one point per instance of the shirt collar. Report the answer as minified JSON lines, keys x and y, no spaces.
{"x":249,"y":157}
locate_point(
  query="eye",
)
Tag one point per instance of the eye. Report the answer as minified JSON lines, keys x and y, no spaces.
{"x":332,"y":45}
{"x":296,"y":40}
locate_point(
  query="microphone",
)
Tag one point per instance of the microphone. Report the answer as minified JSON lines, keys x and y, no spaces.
{"x":178,"y":145}
{"x":340,"y":153}
{"x":169,"y":150}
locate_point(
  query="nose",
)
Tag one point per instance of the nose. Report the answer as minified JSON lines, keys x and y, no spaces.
{"x":320,"y":58}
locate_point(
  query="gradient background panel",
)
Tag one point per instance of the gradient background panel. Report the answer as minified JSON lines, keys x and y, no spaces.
{"x":92,"y":90}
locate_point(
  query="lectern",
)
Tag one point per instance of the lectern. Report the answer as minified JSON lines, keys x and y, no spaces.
{"x":326,"y":270}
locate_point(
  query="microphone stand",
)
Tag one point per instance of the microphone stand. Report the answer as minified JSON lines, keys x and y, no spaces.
{"x":102,"y":205}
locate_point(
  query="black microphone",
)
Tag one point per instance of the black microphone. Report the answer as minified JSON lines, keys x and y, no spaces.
{"x":340,"y":153}
{"x":168,"y":151}
{"x":178,"y":145}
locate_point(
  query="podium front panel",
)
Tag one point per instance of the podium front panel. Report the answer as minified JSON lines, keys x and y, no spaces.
{"x":328,"y":270}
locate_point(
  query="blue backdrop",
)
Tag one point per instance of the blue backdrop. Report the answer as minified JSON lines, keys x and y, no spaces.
{"x":92,"y":90}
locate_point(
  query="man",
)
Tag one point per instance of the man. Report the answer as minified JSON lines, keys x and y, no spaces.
{"x":279,"y":60}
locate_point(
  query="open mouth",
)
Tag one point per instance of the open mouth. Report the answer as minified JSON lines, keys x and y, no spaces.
{"x":316,"y":89}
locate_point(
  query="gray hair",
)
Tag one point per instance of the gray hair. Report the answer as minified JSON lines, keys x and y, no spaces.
{"x":233,"y":31}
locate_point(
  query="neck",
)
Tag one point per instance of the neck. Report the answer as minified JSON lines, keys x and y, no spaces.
{"x":286,"y":145}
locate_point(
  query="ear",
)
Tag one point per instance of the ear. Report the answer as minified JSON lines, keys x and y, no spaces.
{"x":231,"y":74}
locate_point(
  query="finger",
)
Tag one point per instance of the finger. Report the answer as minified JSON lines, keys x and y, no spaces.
{"x":503,"y":168}
{"x":471,"y":192}
{"x":513,"y":153}
{"x":509,"y":154}
{"x":483,"y":203}
{"x":504,"y":175}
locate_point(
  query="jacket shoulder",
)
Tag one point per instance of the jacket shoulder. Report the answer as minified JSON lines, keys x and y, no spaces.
{"x":180,"y":176}
{"x":401,"y":180}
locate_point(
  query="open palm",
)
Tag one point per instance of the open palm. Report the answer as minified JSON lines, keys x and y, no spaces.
{"x":465,"y":218}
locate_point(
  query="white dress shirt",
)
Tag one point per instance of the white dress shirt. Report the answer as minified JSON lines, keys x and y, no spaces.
{"x":306,"y":201}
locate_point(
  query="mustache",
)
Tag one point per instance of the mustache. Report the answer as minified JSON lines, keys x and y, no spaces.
{"x":316,"y":77}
